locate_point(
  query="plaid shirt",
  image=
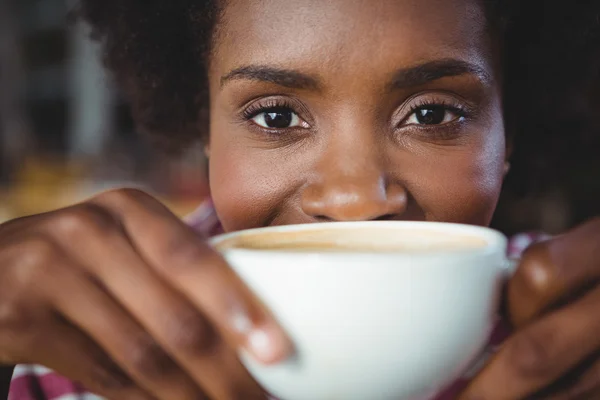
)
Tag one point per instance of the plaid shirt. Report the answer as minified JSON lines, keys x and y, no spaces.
{"x":34,"y":382}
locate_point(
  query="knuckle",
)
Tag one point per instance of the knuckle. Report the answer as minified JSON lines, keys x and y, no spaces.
{"x":185,"y":253}
{"x":22,"y":315}
{"x":536,"y":271}
{"x":22,"y":325}
{"x":14,"y":316}
{"x":35,"y":255}
{"x":125,"y":196}
{"x":532,"y":353}
{"x":149,"y":361}
{"x":180,"y":253}
{"x":83,"y":220}
{"x":17,"y":331}
{"x":31,"y":261}
{"x":131,"y":199}
{"x":192,"y":334}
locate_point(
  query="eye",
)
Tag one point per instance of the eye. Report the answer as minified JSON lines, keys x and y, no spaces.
{"x":277,"y":118}
{"x":433,"y":115}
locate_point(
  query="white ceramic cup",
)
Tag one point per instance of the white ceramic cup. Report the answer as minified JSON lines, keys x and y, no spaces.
{"x":400,"y":311}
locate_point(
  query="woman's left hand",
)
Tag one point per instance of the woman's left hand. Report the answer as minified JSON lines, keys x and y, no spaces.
{"x":553,"y":303}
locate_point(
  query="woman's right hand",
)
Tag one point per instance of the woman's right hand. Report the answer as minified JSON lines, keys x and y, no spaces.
{"x":119,"y":294}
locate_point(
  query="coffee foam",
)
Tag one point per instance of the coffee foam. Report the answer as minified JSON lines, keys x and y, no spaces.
{"x":358,"y":240}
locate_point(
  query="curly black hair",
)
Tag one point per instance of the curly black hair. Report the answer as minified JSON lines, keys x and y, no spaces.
{"x":159,"y":51}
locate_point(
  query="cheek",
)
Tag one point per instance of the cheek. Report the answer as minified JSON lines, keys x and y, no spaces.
{"x":234,"y":188}
{"x":464,"y":185}
{"x":248,"y":187}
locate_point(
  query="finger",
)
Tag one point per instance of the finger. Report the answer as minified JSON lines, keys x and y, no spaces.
{"x":553,"y":272}
{"x":588,"y":395}
{"x":180,"y":257}
{"x":166,"y":315}
{"x":582,"y":382}
{"x":94,"y":312}
{"x":541,"y":353}
{"x":71,"y":353}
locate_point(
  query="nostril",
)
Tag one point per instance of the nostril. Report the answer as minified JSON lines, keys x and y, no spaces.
{"x":386,"y":217}
{"x":349,"y":201}
{"x":323,"y":218}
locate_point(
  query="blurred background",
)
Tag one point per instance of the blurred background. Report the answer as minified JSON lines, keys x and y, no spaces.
{"x":65,"y":130}
{"x":66,"y":133}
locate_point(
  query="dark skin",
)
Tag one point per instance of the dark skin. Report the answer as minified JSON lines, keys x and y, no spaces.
{"x":358,"y":151}
{"x":320,"y":111}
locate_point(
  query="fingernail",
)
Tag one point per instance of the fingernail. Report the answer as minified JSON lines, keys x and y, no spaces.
{"x":268,"y":345}
{"x":539,"y":276}
{"x":262,"y":346}
{"x":241,"y":322}
{"x":265,"y":342}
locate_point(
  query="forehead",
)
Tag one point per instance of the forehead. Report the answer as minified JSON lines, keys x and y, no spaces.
{"x":360,"y":35}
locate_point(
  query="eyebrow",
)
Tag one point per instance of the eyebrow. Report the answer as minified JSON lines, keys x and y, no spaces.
{"x":282,"y":77}
{"x":403,"y":78}
{"x":431,"y":71}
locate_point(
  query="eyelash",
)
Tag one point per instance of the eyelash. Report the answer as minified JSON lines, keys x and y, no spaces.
{"x":258,"y":107}
{"x":456,"y":108}
{"x":463,"y":112}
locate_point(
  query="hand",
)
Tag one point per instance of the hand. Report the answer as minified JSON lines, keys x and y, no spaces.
{"x":118,"y":294}
{"x":553,"y":301}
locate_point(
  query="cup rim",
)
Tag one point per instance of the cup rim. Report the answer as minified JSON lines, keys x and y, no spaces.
{"x":494,"y":239}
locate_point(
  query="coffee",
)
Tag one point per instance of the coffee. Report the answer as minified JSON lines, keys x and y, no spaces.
{"x":366,"y":239}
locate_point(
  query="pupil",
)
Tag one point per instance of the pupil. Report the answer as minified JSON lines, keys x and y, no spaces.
{"x":431,"y":115}
{"x":278,"y":118}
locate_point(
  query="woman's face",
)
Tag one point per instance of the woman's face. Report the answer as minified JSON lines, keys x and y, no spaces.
{"x":345,"y":110}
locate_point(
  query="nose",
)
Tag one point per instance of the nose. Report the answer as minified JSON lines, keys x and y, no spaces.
{"x":363,"y":195}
